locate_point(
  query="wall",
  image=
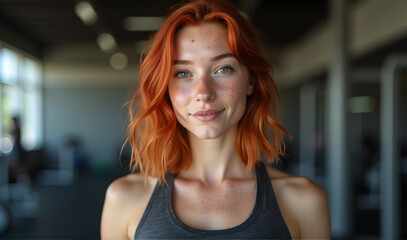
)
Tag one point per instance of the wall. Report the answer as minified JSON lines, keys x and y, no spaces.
{"x":83,"y":97}
{"x":93,"y":115}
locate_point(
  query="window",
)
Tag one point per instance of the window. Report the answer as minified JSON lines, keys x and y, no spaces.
{"x":9,"y":66}
{"x":20,"y":97}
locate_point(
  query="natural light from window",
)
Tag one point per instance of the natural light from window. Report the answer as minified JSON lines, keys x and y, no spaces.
{"x":20,"y":97}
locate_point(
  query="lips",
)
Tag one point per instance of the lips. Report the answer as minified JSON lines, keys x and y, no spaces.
{"x":207,"y":115}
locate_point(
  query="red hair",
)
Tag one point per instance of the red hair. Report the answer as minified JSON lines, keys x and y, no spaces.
{"x":160,"y":144}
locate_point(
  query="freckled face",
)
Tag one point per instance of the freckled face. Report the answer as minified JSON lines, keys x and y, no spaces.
{"x":209,"y":86}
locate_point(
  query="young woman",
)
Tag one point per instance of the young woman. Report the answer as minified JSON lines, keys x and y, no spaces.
{"x":201,"y":125}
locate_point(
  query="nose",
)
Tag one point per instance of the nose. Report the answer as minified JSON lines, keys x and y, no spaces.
{"x":204,"y":89}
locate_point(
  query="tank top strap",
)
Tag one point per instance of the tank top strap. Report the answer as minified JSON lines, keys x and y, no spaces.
{"x":260,"y":183}
{"x":162,"y":194}
{"x":268,"y":201}
{"x":262,"y":180}
{"x":168,"y":189}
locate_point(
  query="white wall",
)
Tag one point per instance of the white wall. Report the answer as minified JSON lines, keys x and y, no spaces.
{"x":83,"y":97}
{"x":91,"y":114}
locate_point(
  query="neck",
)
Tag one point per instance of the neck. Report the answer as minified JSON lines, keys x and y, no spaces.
{"x":214,"y":160}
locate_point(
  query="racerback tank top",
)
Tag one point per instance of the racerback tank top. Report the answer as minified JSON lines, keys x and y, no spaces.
{"x":265,"y":221}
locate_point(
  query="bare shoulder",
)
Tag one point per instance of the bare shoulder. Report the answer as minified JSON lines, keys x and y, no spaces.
{"x":295,"y":186}
{"x":303,"y":204}
{"x":129,"y":188}
{"x":125,"y":202}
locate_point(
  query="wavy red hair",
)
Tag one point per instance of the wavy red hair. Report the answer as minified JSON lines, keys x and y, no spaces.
{"x":159,"y":144}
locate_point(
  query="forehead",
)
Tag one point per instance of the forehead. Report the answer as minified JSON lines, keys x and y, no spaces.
{"x":206,"y":37}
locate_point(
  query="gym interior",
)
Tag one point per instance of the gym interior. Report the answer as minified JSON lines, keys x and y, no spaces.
{"x":68,"y":67}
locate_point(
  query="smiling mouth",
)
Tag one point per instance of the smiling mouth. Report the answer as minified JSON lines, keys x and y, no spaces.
{"x":207,"y":115}
{"x":207,"y":112}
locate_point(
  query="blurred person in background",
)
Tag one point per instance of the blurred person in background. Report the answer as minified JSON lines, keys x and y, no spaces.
{"x":203,"y":132}
{"x":16,"y":157}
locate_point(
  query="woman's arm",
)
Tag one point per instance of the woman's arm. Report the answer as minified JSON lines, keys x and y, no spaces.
{"x":125,"y":202}
{"x":313,"y":216}
{"x":303,"y":204}
{"x":114,"y":216}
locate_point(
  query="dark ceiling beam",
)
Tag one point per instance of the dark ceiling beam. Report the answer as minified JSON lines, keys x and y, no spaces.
{"x":249,"y":7}
{"x":15,"y":37}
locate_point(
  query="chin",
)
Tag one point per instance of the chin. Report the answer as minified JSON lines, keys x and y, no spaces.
{"x":206,"y":135}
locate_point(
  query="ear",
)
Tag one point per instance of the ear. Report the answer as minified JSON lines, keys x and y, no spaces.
{"x":250,"y":89}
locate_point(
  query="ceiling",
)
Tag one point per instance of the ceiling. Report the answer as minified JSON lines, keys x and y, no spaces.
{"x":47,"y":23}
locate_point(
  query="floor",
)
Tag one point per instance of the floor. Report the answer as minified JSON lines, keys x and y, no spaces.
{"x":66,"y":212}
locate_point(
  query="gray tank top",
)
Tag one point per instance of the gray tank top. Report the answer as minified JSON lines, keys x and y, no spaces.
{"x":265,"y":222}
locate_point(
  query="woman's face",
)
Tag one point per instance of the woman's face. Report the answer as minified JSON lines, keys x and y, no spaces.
{"x":209,"y":86}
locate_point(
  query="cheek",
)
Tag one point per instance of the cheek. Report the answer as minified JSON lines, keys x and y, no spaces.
{"x":233,"y":91}
{"x":178,"y":97}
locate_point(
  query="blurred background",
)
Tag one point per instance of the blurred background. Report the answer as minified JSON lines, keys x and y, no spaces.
{"x":67,"y":67}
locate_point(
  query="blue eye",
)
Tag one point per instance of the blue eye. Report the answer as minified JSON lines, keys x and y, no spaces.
{"x":225,"y":69}
{"x":182,"y":74}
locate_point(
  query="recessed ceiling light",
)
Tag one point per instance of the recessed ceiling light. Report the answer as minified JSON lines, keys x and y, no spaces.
{"x":118,"y":61}
{"x":244,"y":14}
{"x":142,"y":23}
{"x":86,"y":13}
{"x":106,"y":42}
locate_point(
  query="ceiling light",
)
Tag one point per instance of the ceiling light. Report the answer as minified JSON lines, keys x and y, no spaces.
{"x":106,"y":42}
{"x":86,"y":13}
{"x":244,"y":14}
{"x":118,"y":61}
{"x":142,"y":23}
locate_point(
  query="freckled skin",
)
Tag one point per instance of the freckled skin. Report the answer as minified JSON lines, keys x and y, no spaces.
{"x":220,"y":207}
{"x":206,"y":87}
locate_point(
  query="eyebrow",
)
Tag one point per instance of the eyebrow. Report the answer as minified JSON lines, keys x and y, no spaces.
{"x":216,"y":58}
